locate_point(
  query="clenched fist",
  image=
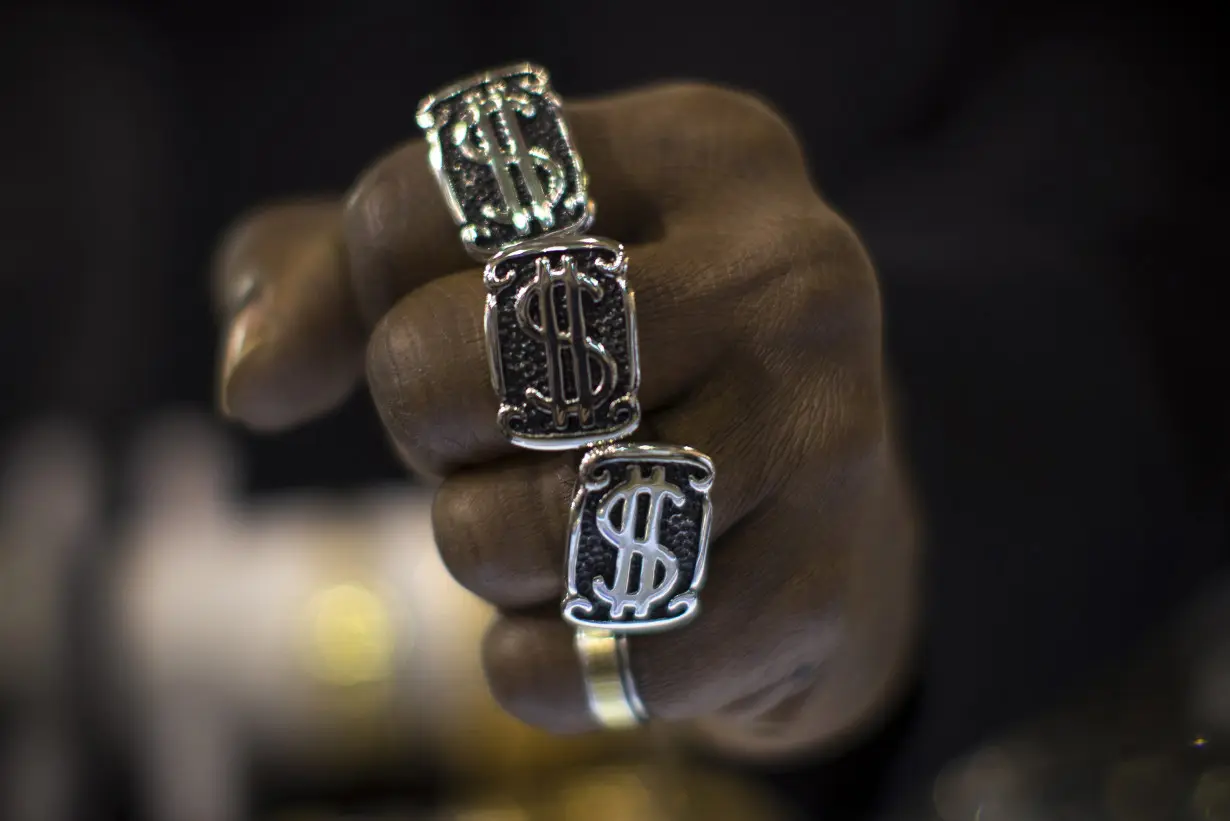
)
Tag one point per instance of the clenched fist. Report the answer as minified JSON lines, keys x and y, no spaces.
{"x":760,"y":345}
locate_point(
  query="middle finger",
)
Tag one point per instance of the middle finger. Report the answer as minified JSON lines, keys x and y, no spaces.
{"x":428,"y":370}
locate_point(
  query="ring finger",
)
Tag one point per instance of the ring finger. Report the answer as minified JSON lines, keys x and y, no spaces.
{"x":502,"y":528}
{"x":759,"y":629}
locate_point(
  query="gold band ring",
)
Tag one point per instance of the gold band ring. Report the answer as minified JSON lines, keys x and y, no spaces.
{"x":613,"y":700}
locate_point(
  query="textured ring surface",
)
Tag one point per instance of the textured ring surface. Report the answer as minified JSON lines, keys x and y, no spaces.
{"x":561,"y":343}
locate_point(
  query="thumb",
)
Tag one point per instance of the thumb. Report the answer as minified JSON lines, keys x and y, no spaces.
{"x":292,"y":346}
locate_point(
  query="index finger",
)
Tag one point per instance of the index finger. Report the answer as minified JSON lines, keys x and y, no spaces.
{"x":650,"y":154}
{"x":401,"y":234}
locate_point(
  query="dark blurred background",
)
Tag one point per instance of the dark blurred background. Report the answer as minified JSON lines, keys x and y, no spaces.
{"x":1040,"y":184}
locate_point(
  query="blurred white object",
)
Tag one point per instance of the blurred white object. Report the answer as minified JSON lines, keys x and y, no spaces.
{"x":319,"y":636}
{"x":49,"y":504}
{"x":314,"y":635}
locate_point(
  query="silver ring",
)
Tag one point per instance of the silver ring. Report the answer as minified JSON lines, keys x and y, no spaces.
{"x":562,"y":350}
{"x":561,"y":342}
{"x":638,"y":538}
{"x":504,"y":157}
{"x":613,"y":700}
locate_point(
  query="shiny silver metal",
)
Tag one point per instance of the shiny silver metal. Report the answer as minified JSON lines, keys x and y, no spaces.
{"x":503,"y":155}
{"x":638,"y":538}
{"x":561,"y":343}
{"x":609,"y":688}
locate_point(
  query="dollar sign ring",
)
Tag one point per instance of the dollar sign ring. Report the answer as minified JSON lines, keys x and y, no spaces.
{"x":561,"y":343}
{"x":503,"y":155}
{"x":639,"y":538}
{"x":562,"y":349}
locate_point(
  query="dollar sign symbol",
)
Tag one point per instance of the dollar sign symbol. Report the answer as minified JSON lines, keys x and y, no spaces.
{"x":477,"y":134}
{"x":628,"y":496}
{"x":573,"y":359}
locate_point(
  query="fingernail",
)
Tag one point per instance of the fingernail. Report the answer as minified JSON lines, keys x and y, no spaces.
{"x":242,"y":338}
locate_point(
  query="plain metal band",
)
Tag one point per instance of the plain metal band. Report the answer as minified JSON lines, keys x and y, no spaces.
{"x":612,"y":695}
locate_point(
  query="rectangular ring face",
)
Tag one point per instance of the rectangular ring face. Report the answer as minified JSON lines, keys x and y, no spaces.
{"x":502,"y":152}
{"x":639,"y":535}
{"x":561,"y":340}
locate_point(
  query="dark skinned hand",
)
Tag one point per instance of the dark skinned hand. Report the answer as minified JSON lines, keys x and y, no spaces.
{"x":760,"y":342}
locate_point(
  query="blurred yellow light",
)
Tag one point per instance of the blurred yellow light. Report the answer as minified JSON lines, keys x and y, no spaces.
{"x":620,"y":796}
{"x":352,"y":636}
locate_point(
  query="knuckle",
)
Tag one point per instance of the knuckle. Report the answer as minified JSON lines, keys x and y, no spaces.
{"x":462,"y":519}
{"x":426,"y":376}
{"x":827,"y":285}
{"x":531,"y":672}
{"x":702,"y":97}
{"x":498,"y":534}
{"x":815,"y":238}
{"x":818,"y":330}
{"x":711,"y":103}
{"x":374,"y":204}
{"x":716,"y":127}
{"x":844,"y":430}
{"x":756,"y":130}
{"x":394,"y":356}
{"x":408,"y":349}
{"x":504,"y":661}
{"x":392,"y":222}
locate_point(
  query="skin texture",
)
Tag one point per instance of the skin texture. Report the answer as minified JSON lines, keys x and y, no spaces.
{"x":760,"y":340}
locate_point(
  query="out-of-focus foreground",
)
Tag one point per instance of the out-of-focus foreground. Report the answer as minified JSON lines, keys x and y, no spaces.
{"x":310,"y":651}
{"x":315,"y":644}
